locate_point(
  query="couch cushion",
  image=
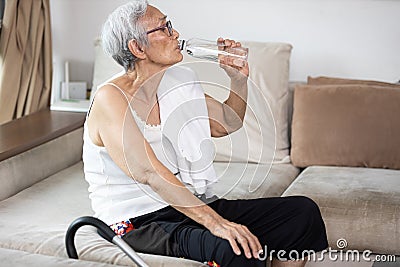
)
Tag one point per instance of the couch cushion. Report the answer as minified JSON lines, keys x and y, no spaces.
{"x":324,"y":80}
{"x":57,"y":200}
{"x":360,"y":205}
{"x":244,"y":181}
{"x":346,"y":125}
{"x":18,"y":258}
{"x":104,"y":67}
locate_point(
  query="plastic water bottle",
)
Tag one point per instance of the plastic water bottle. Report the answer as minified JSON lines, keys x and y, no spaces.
{"x":212,"y":50}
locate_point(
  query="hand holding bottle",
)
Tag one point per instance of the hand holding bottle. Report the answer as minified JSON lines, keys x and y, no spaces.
{"x":232,"y":57}
{"x":234,"y":60}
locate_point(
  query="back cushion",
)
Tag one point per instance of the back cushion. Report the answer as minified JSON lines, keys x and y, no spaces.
{"x":346,"y":125}
{"x":324,"y":80}
{"x":104,"y":67}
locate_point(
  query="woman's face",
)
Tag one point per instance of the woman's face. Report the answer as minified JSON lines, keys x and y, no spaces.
{"x":163,"y":48}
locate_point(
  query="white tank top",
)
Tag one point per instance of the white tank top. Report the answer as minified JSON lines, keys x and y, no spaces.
{"x":116,"y":197}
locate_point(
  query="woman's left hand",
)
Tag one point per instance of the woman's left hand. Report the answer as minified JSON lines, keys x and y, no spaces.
{"x":236,"y":68}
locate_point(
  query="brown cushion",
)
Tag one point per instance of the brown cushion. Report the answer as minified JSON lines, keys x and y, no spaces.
{"x":323,"y":80}
{"x":346,"y":125}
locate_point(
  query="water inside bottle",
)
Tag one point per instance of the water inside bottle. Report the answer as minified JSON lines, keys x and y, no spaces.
{"x":211,"y":51}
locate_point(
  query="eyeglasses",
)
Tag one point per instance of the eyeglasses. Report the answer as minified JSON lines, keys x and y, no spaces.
{"x":167,"y":25}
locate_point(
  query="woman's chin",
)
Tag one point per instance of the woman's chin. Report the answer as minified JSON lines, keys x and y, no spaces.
{"x":179,"y":58}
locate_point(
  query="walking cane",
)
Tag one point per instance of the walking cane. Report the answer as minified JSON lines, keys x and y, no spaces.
{"x":105,"y":232}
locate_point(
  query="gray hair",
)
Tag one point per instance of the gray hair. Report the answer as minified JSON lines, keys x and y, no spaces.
{"x":121,"y":26}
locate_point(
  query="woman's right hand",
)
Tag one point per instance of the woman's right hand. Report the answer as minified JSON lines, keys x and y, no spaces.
{"x":236,"y":234}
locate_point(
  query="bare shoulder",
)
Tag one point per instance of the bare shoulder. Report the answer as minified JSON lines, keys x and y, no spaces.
{"x":109,"y":105}
{"x":110,"y":101}
{"x":109,"y":93}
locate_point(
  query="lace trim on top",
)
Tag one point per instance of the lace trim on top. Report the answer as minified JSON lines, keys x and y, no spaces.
{"x":137,"y":117}
{"x":145,"y":124}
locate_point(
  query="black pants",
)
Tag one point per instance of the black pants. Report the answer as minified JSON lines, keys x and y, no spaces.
{"x":280,"y":223}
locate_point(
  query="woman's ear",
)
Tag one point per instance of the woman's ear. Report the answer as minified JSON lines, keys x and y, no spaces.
{"x":136,"y":50}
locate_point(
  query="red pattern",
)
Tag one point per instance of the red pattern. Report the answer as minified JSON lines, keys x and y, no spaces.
{"x":213,"y":264}
{"x":122,"y":228}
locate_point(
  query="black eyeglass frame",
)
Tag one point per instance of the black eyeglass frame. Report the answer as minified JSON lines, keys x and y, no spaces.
{"x":167,"y":25}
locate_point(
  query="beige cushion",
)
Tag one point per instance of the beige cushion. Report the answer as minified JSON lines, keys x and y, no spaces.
{"x":360,"y":205}
{"x":104,"y":67}
{"x":248,"y":180}
{"x":346,"y":125}
{"x":323,"y":80}
{"x":18,"y":258}
{"x":264,"y":137}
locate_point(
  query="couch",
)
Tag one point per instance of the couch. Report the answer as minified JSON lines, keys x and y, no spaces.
{"x":43,"y":188}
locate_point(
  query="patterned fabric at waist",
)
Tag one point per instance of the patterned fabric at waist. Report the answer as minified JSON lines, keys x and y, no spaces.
{"x":122,"y":228}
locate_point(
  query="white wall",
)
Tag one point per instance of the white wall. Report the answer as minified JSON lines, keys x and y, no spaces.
{"x":346,"y":38}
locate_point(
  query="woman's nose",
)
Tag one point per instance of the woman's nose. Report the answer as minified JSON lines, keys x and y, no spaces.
{"x":175,"y":33}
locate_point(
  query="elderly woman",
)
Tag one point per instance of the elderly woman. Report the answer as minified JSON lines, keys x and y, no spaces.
{"x":139,"y":180}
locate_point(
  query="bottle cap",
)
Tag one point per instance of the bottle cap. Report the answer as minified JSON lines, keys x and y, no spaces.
{"x":181,"y":44}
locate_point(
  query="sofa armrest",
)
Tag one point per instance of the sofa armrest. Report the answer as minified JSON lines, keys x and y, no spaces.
{"x":20,"y":135}
{"x":37,"y":146}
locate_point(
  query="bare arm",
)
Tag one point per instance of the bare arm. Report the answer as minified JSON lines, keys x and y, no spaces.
{"x":227,"y":117}
{"x":119,"y":133}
